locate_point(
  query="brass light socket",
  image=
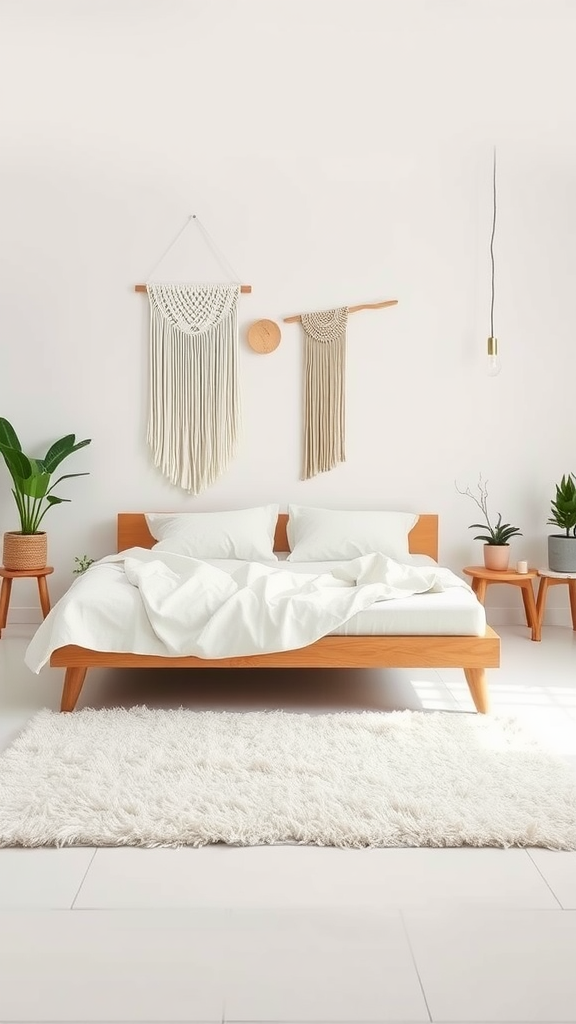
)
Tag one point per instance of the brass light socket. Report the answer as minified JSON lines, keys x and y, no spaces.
{"x":492,"y":346}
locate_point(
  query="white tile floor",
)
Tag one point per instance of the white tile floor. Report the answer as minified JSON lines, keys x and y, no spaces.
{"x":287,"y":933}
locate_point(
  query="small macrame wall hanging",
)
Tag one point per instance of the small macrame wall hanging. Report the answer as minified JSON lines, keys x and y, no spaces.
{"x":194,"y":402}
{"x":324,"y":385}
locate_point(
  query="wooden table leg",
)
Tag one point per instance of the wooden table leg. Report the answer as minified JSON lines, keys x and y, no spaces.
{"x":44,"y":596}
{"x":572,"y":592}
{"x":480,"y":589}
{"x":4,"y":601}
{"x":541,"y":602}
{"x":530,"y":609}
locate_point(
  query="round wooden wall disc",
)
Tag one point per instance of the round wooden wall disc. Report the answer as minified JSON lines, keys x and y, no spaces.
{"x":264,"y":336}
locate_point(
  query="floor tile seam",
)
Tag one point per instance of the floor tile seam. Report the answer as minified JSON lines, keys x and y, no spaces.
{"x":546,"y":882}
{"x":469,"y":912}
{"x":416,"y":968}
{"x":83,"y":879}
{"x":375,"y":914}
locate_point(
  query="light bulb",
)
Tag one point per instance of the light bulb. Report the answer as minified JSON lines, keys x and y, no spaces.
{"x":493,"y":365}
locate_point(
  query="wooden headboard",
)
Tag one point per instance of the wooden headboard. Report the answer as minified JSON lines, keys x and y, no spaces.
{"x":133,"y":532}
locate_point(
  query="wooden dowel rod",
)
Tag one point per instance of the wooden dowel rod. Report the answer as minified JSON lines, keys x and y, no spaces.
{"x":373,"y":305}
{"x":351,"y":309}
{"x":244,"y":288}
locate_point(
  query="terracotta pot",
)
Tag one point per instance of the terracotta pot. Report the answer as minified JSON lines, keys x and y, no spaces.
{"x":496,"y":556}
{"x":24,"y":551}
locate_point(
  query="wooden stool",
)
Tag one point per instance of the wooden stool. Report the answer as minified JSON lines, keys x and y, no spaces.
{"x":18,"y":574}
{"x":482,"y":577}
{"x":549,"y":578}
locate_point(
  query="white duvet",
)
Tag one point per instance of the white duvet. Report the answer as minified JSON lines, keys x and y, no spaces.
{"x":150,"y":602}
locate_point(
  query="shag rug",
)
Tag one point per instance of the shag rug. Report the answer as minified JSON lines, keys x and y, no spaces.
{"x":141,"y":777}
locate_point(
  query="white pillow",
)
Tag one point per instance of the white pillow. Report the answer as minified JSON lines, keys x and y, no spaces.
{"x":321,"y":534}
{"x":246,"y":533}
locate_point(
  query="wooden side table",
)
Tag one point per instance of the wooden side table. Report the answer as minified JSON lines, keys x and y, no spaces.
{"x":548,"y":578}
{"x":8,"y":575}
{"x":481,"y":579}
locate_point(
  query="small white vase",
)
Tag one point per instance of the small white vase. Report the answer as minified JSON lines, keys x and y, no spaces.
{"x":496,"y":556}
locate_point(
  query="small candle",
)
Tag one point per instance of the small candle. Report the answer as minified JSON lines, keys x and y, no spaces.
{"x":522,"y":567}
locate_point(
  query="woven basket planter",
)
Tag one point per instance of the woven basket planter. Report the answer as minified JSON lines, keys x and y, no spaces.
{"x":24,"y":551}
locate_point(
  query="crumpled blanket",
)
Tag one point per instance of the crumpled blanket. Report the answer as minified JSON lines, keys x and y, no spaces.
{"x":203,"y":611}
{"x":151,"y":602}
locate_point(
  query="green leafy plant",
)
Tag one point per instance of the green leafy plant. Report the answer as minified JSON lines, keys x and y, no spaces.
{"x":563,"y":512}
{"x":31,"y":477}
{"x":82,"y":563}
{"x":498,"y":533}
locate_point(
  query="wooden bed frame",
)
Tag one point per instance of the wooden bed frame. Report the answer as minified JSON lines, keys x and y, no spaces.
{"x":474,"y":654}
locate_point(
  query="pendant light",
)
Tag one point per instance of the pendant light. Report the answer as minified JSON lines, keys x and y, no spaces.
{"x":493,"y":364}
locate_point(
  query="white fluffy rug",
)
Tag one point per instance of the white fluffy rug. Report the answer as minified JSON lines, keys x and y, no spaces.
{"x":140,"y":777}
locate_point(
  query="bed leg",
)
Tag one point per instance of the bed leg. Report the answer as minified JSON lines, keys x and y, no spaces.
{"x":478,"y":686}
{"x":73,"y":682}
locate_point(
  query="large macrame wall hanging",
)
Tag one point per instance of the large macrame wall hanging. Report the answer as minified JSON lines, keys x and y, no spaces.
{"x":194,"y":410}
{"x":194,"y":402}
{"x":324,"y":385}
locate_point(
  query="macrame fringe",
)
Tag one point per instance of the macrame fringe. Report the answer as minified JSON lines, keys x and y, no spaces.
{"x":194,"y":411}
{"x":324,"y":396}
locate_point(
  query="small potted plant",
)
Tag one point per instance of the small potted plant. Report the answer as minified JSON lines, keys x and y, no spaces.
{"x":83,"y":563}
{"x":496,"y":536}
{"x":27,"y":548}
{"x":562,"y":546}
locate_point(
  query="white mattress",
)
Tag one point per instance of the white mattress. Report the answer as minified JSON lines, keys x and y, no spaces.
{"x":456,"y":612}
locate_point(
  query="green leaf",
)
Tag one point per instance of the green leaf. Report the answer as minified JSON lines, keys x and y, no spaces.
{"x":35,"y":485}
{"x":61,"y":449}
{"x":506,"y":532}
{"x":18,"y":464}
{"x":8,"y":435}
{"x":53,"y":500}
{"x":67,"y":476}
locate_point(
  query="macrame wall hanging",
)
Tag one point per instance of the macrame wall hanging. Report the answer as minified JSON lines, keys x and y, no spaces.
{"x":324,"y":385}
{"x":194,"y":402}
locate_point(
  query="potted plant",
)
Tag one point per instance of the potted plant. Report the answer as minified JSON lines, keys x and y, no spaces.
{"x":562,"y":546}
{"x":32,"y":489}
{"x":496,"y":536}
{"x":83,"y":563}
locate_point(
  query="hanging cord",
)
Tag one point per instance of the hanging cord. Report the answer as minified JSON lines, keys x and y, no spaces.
{"x":209,"y":241}
{"x":172,"y":244}
{"x":217,"y":252}
{"x":492,"y":244}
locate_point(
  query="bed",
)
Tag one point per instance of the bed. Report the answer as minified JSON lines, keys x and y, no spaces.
{"x":472,"y":653}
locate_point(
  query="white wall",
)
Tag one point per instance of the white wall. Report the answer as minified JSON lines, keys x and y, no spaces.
{"x":338,"y":152}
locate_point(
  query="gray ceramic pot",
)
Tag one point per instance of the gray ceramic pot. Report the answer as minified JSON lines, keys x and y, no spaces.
{"x":562,"y":553}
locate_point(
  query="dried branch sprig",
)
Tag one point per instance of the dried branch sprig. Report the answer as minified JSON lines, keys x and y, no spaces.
{"x":482,"y":501}
{"x":500,"y":533}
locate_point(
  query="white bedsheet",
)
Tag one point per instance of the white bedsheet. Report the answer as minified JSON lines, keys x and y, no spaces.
{"x":147,"y":602}
{"x":452,"y":612}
